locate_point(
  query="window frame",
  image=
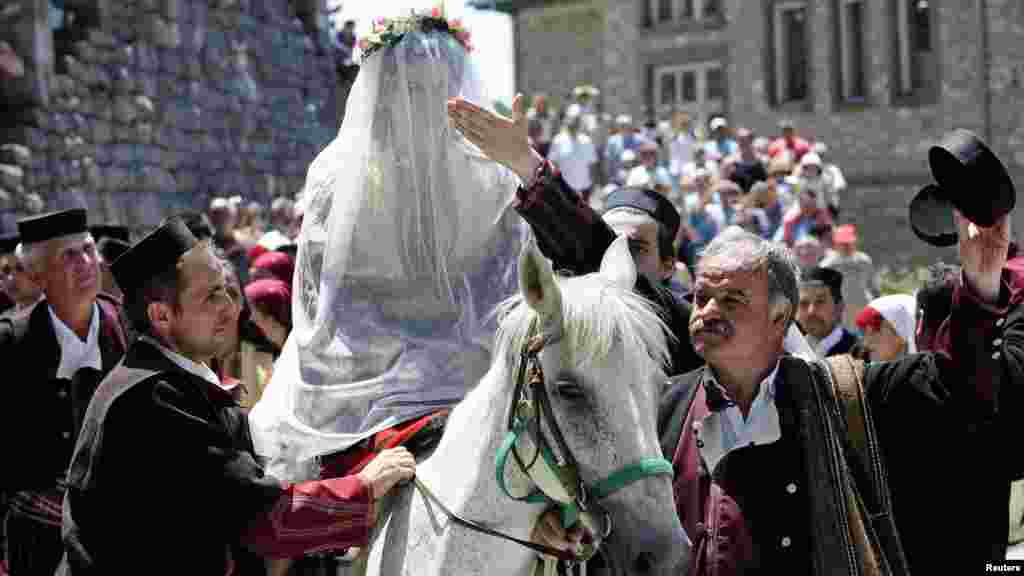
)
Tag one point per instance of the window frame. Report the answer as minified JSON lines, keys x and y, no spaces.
{"x":700,"y":109}
{"x":780,"y":67}
{"x":847,"y":56}
{"x":677,"y":13}
{"x":903,"y":89}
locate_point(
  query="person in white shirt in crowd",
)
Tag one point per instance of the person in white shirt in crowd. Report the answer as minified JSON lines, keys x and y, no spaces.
{"x":811,"y":172}
{"x":830,"y":170}
{"x":720,"y":143}
{"x":860,"y":284}
{"x":585,"y":96}
{"x":701,"y":164}
{"x":282,"y":215}
{"x":648,"y":173}
{"x":543,"y":124}
{"x":625,"y":138}
{"x":681,"y":145}
{"x":573,"y":152}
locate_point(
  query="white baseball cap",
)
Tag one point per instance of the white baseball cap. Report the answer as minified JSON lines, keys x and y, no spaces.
{"x":573,"y":111}
{"x":718,"y":122}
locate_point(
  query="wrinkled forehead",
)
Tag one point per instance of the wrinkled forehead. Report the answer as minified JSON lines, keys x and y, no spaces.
{"x":722,"y":272}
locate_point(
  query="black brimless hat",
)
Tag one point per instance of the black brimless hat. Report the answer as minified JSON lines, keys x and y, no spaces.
{"x":648,"y":201}
{"x":969,"y":178}
{"x":52,"y":225}
{"x":154,"y":254}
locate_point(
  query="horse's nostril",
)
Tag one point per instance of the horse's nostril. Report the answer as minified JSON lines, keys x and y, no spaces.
{"x":644,"y":563}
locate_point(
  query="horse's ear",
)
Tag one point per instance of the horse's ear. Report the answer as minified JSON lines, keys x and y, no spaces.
{"x":617,"y":264}
{"x":537,"y":282}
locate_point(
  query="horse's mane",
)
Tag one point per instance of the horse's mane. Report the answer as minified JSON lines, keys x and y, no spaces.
{"x":596,"y":315}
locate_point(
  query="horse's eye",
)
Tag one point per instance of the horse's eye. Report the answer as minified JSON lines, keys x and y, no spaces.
{"x":570,"y":391}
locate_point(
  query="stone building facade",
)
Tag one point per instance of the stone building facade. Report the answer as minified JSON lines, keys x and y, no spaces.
{"x":138,"y":108}
{"x":878,"y":80}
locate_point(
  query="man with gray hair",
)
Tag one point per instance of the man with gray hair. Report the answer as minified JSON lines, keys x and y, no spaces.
{"x":62,"y":347}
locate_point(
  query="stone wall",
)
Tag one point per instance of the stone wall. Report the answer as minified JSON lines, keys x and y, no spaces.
{"x":171,"y":102}
{"x":559,"y":47}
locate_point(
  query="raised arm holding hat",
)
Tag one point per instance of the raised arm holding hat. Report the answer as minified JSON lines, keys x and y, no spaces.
{"x":193,"y":495}
{"x":62,"y":347}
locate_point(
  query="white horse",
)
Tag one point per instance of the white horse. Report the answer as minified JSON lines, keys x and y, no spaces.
{"x":603,"y":376}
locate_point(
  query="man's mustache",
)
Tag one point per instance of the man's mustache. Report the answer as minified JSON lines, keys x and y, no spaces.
{"x":716,"y":327}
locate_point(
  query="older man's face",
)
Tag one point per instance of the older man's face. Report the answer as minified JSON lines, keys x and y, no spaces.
{"x":71,"y":270}
{"x":731,"y":320}
{"x":818,"y":312}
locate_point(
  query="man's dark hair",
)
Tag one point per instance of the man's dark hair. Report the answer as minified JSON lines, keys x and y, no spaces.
{"x":164,"y":287}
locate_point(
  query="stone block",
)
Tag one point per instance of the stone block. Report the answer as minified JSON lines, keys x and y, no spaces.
{"x":101,"y":38}
{"x":79,"y":72}
{"x":172,"y":10}
{"x":124,"y":154}
{"x":125,"y":133}
{"x":116,"y":178}
{"x":125,"y":111}
{"x":67,"y":103}
{"x":74,"y":147}
{"x":144,"y":107}
{"x":154,"y":179}
{"x":35,"y":138}
{"x":85,"y":52}
{"x":62,"y":85}
{"x":92,"y":175}
{"x":11,"y":176}
{"x":59,"y":123}
{"x":17,"y":154}
{"x":102,"y":132}
{"x":123,"y":55}
{"x":124,"y":81}
{"x":146,"y":58}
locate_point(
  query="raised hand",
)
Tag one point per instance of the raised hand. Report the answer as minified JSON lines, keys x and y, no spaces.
{"x":983,"y":254}
{"x":389,"y":468}
{"x":502,"y":139}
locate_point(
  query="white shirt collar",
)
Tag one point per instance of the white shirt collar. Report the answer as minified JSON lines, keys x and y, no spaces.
{"x":74,"y":353}
{"x":829,"y":341}
{"x":198,"y":369}
{"x":721,"y":432}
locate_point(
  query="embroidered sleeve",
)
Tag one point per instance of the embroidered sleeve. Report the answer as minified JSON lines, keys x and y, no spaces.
{"x":319,"y":516}
{"x":568,"y":231}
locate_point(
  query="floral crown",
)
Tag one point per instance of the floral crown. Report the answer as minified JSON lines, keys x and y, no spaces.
{"x":387,"y":32}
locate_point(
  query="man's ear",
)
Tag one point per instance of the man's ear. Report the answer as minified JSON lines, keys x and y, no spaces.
{"x":160,"y":316}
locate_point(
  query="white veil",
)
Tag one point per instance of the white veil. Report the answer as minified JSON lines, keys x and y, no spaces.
{"x":408,"y":243}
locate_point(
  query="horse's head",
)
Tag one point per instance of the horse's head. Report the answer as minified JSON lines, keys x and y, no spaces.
{"x":602,"y":365}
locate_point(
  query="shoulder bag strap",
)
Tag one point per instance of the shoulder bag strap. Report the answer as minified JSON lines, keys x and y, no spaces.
{"x":865,"y":456}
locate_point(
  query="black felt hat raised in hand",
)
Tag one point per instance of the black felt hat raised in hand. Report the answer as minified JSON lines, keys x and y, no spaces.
{"x":156,"y":253}
{"x":969,"y":178}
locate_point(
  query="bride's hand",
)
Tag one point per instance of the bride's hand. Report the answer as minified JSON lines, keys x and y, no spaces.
{"x":502,"y":139}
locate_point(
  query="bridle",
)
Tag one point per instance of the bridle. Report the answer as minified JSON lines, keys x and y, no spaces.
{"x":557,"y":478}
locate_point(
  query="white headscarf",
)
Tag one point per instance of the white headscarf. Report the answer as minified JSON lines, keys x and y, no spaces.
{"x":900,"y":310}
